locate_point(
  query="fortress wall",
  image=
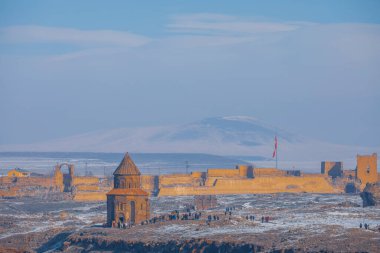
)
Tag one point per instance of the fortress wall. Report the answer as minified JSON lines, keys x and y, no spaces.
{"x":198,"y":174}
{"x":175,"y":179}
{"x":87,"y":187}
{"x":256,"y":186}
{"x":85,"y":180}
{"x":268,"y":172}
{"x":90,"y":196}
{"x":35,"y":181}
{"x":243,"y":170}
{"x":148,"y":183}
{"x":348,"y":173}
{"x":223,"y":173}
{"x":211,"y":180}
{"x":315,"y":175}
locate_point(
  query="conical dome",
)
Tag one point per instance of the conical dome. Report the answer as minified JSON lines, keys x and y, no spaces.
{"x":127,"y":167}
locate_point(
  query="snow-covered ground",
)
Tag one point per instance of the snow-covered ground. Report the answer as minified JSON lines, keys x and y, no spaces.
{"x":296,"y":215}
{"x":297,"y":211}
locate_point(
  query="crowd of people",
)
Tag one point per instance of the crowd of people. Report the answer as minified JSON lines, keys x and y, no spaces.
{"x":190,"y":214}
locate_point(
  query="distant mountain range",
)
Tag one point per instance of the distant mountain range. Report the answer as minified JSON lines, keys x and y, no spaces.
{"x":230,"y":136}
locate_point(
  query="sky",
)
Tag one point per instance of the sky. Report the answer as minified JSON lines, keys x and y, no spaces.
{"x":69,"y":67}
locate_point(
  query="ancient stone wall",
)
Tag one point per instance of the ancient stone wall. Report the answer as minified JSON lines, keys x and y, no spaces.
{"x":223,"y":173}
{"x":90,"y":196}
{"x":349,"y":174}
{"x":149,"y":183}
{"x":366,"y":170}
{"x":332,"y":169}
{"x":86,"y":187}
{"x":30,"y":181}
{"x":204,"y":202}
{"x":85,"y":180}
{"x":268,"y":172}
{"x":258,"y":185}
{"x":175,"y":179}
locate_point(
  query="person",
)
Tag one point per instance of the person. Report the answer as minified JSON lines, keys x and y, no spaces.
{"x":262,"y":219}
{"x":361,"y":225}
{"x":365,"y":225}
{"x":247,"y":217}
{"x":267,"y":219}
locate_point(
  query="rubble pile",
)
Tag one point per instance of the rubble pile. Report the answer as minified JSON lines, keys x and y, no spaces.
{"x":371,"y":195}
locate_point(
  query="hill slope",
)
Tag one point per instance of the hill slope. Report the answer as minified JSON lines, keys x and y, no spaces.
{"x":235,"y":135}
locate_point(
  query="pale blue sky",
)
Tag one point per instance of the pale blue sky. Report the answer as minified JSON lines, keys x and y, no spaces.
{"x":68,"y":67}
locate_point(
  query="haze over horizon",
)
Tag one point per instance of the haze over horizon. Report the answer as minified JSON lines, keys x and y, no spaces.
{"x":309,"y":68}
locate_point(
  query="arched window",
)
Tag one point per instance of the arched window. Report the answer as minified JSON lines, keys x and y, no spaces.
{"x":122,"y":184}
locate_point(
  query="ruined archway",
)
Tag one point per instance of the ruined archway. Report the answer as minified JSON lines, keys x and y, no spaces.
{"x":64,"y":180}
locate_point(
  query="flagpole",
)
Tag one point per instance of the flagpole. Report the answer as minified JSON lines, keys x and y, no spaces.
{"x":276,"y":151}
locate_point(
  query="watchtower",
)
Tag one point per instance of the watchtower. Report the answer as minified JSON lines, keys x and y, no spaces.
{"x":366,"y":169}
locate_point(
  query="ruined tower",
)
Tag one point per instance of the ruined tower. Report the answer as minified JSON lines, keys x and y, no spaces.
{"x":332,"y":169}
{"x":366,"y":169}
{"x":127,"y":202}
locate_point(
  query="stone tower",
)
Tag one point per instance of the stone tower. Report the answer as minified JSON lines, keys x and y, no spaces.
{"x":366,"y":169}
{"x":127,"y":202}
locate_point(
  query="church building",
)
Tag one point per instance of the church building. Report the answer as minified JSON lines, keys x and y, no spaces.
{"x":127,"y":202}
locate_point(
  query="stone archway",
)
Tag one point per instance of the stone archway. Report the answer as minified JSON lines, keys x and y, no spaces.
{"x":64,"y":180}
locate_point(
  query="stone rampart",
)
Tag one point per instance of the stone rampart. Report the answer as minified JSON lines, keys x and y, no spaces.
{"x":259,"y":185}
{"x":175,"y":179}
{"x":85,"y":180}
{"x":86,"y":187}
{"x":149,"y":183}
{"x":223,"y":173}
{"x":90,"y":196}
{"x":268,"y":172}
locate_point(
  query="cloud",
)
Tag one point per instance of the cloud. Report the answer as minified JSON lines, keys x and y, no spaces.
{"x":223,"y":24}
{"x":99,"y":38}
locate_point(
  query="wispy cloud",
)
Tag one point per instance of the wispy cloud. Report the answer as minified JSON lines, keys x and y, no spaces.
{"x":41,"y":34}
{"x":224,"y":24}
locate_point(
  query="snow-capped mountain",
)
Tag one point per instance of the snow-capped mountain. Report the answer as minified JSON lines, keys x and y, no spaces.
{"x":234,"y":135}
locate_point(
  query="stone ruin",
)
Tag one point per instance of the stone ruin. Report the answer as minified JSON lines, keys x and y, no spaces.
{"x":204,"y":202}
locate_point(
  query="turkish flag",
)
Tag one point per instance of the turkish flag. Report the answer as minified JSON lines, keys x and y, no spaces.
{"x":275,"y":147}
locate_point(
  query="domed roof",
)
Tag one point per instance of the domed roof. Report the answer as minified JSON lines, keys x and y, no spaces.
{"x":127,"y":167}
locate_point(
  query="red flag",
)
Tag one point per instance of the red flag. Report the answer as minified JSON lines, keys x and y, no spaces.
{"x":275,"y":147}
